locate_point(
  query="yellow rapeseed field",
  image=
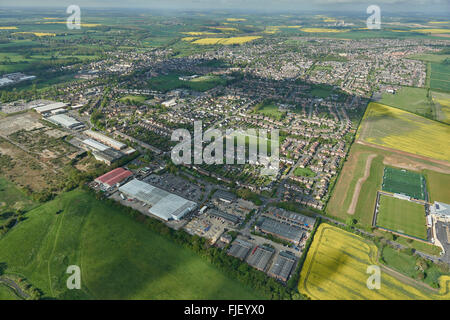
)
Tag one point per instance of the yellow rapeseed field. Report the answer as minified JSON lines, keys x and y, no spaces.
{"x":87,"y":25}
{"x":38,"y":34}
{"x":229,"y":29}
{"x":401,"y":130}
{"x":431,"y":30}
{"x":336,"y":269}
{"x":226,"y":41}
{"x":236,"y":19}
{"x":198,"y":33}
{"x":8,"y":28}
{"x":322,"y":30}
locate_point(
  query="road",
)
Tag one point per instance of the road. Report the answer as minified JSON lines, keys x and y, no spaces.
{"x":10,"y":283}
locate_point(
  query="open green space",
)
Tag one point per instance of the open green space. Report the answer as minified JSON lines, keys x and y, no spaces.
{"x":440,"y":76}
{"x":304,"y":172}
{"x":413,"y":266}
{"x":12,"y":198}
{"x":7,"y":294}
{"x":119,"y":257}
{"x":402,"y":216}
{"x":415,"y":100}
{"x":269,"y":109}
{"x":172,"y":81}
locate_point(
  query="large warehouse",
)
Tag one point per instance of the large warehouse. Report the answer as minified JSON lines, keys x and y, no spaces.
{"x":164,"y":205}
{"x":65,"y":121}
{"x":113,"y":177}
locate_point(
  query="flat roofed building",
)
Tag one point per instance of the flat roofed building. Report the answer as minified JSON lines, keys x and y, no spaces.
{"x":240,"y":249}
{"x":280,"y":230}
{"x":108,"y":156}
{"x":50,"y":107}
{"x":283,"y":265}
{"x":441,"y":210}
{"x":223,"y":215}
{"x":105,"y":139}
{"x":65,"y":121}
{"x":113,"y":177}
{"x":164,"y":205}
{"x":260,"y":256}
{"x":224,"y":196}
{"x":95,"y":145}
{"x":293,"y":217}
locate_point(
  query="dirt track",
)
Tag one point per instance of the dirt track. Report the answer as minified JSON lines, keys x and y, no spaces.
{"x":352,"y":207}
{"x":424,"y":166}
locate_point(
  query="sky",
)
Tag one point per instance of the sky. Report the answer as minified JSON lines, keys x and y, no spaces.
{"x":394,"y":6}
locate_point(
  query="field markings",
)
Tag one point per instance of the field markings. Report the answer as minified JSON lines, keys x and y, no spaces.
{"x":352,"y":207}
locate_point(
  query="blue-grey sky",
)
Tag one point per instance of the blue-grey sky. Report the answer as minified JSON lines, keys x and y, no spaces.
{"x":439,"y":6}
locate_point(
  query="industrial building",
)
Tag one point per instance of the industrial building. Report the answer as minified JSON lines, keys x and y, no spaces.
{"x":260,"y":256}
{"x":113,"y":177}
{"x":223,"y":215}
{"x":293,"y":217}
{"x":224,"y":196}
{"x":164,"y":205}
{"x":280,"y":230}
{"x":283,"y":265}
{"x":66,"y":121}
{"x":105,"y":140}
{"x":50,"y":107}
{"x":240,"y":249}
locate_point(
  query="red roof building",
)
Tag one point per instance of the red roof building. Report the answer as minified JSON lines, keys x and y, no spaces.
{"x":113,"y":177}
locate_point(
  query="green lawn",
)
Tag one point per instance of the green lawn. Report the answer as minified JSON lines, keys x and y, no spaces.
{"x":170,"y":82}
{"x":119,"y":257}
{"x":269,"y":109}
{"x":402,"y":216}
{"x":440,"y":77}
{"x":304,"y":172}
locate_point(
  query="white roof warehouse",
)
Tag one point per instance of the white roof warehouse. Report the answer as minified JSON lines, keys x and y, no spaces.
{"x":164,"y":205}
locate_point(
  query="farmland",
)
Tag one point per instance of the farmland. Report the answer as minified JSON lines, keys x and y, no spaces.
{"x":442,"y":103}
{"x":119,"y":257}
{"x":336,"y":265}
{"x":440,"y":76}
{"x":414,"y":100}
{"x":225,"y":41}
{"x":402,"y":216}
{"x":400,"y":130}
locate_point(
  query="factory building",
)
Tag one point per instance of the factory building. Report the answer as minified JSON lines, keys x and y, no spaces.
{"x":105,"y":140}
{"x":50,"y":107}
{"x":280,"y":230}
{"x":283,"y":265}
{"x":164,"y":205}
{"x":66,"y":121}
{"x":293,"y":217}
{"x":260,"y":256}
{"x":240,"y":249}
{"x":113,"y":177}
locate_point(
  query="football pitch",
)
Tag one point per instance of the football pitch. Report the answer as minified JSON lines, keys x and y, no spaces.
{"x":406,"y":182}
{"x":402,"y":216}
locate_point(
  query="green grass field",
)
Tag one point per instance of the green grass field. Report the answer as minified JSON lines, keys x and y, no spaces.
{"x":304,"y":172}
{"x":414,"y":100}
{"x":170,"y":82}
{"x":402,"y":216}
{"x":440,"y":77}
{"x":404,"y":181}
{"x":12,"y":198}
{"x":269,"y":109}
{"x":7,"y":293}
{"x":119,"y":257}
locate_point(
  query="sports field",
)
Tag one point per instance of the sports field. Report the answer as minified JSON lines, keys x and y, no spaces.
{"x":336,"y":265}
{"x":405,"y":182}
{"x":404,"y":131}
{"x":119,"y":257}
{"x":402,"y":216}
